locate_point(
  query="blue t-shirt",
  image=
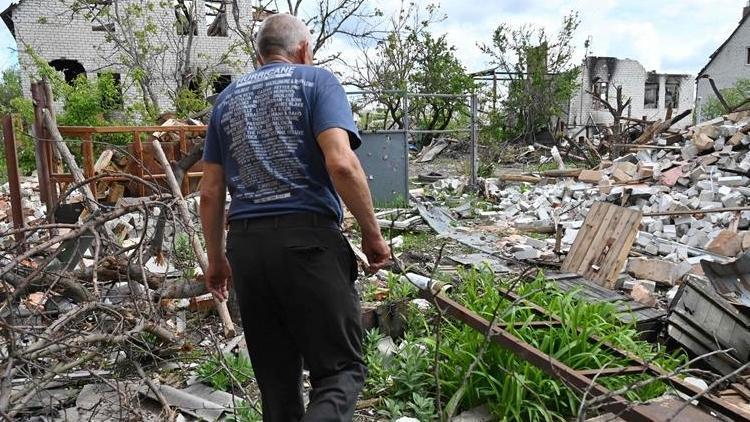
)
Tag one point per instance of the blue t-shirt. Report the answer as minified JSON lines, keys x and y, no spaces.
{"x":263,"y":132}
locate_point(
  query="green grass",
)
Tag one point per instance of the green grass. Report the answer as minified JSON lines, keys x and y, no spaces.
{"x":417,"y":241}
{"x":224,"y":374}
{"x":514,"y":389}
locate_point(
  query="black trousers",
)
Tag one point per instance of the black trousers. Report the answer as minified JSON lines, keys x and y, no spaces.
{"x":294,"y":279}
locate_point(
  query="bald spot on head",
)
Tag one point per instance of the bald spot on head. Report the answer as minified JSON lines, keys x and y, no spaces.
{"x":281,"y":34}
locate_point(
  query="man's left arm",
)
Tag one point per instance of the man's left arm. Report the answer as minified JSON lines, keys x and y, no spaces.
{"x":213,"y":198}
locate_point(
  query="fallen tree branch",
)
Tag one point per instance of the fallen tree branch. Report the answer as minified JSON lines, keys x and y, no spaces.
{"x":184,"y":214}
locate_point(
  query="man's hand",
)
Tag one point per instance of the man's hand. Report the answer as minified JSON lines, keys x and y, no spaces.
{"x":218,"y":276}
{"x":377,"y":252}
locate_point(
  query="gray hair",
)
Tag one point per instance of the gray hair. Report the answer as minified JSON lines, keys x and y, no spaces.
{"x":281,"y":34}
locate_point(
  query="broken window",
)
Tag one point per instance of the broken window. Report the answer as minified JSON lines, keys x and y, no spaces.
{"x":185,"y":12}
{"x":221,"y":82}
{"x":672,"y":93}
{"x":601,"y":90}
{"x":97,"y":11}
{"x":651,"y":92}
{"x":216,"y":18}
{"x":111,"y":92}
{"x":71,"y":69}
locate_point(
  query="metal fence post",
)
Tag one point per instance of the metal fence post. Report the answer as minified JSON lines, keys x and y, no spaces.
{"x":44,"y":152}
{"x":14,"y":180}
{"x":474,"y":140}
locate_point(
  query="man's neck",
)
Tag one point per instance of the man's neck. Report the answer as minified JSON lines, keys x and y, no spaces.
{"x":277,"y":58}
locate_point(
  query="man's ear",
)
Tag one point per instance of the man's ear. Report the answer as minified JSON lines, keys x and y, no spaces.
{"x":260,"y":60}
{"x":302,"y":56}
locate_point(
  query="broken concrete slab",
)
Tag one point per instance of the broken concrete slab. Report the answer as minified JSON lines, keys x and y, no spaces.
{"x":591,"y":176}
{"x":703,"y":142}
{"x":642,"y":295}
{"x":657,"y":270}
{"x":726,"y":243}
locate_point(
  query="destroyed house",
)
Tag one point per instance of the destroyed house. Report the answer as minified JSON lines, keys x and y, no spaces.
{"x":729,"y":63}
{"x":651,"y":94}
{"x":76,"y":43}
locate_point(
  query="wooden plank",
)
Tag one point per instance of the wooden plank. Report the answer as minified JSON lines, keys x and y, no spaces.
{"x":624,"y":236}
{"x":82,"y":130}
{"x":589,"y":240}
{"x":181,"y":153}
{"x":578,"y":250}
{"x":87,"y":150}
{"x":592,"y":264}
{"x":603,"y":244}
{"x":138,"y":153}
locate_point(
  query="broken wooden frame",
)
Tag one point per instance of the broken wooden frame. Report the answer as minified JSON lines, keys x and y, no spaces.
{"x":87,"y":133}
{"x":581,"y":380}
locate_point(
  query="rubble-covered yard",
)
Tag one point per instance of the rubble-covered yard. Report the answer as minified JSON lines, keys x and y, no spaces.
{"x":606,"y":292}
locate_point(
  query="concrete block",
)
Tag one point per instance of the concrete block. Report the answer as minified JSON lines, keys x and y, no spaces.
{"x":726,"y":243}
{"x":642,"y":295}
{"x":732,"y":181}
{"x":626,"y":166}
{"x":621,"y":176}
{"x":724,"y":190}
{"x":645,"y":170}
{"x":727,"y":130}
{"x":736,"y":139}
{"x":631,"y":283}
{"x":591,"y":176}
{"x":703,"y":142}
{"x":706,"y":196}
{"x":658,"y":270}
{"x":719,"y":143}
{"x":525,"y":252}
{"x":733,"y":200}
{"x":706,"y":185}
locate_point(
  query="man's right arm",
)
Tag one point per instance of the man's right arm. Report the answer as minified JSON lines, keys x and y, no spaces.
{"x":351,"y":184}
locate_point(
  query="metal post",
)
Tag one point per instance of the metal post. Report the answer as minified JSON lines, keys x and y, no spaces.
{"x":474,"y":140}
{"x":14,"y":181}
{"x":406,"y":113}
{"x":406,"y":149}
{"x":43,"y":150}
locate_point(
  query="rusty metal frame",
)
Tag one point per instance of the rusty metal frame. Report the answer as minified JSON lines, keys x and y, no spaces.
{"x":49,"y":179}
{"x":584,"y":380}
{"x":14,"y":180}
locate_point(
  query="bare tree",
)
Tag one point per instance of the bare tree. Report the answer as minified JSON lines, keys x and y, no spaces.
{"x":330,"y":18}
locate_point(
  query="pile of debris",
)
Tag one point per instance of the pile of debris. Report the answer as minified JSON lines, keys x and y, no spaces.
{"x":690,"y":205}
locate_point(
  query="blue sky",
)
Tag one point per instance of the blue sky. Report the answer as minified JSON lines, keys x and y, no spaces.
{"x":8,"y":55}
{"x":665,"y":35}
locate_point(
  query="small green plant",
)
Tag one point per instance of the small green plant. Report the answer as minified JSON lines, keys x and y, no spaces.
{"x":222,"y":373}
{"x":378,"y":379}
{"x":399,"y":289}
{"x":245,"y":414}
{"x":184,"y":255}
{"x":417,"y":242}
{"x":392,"y":409}
{"x":423,"y":408}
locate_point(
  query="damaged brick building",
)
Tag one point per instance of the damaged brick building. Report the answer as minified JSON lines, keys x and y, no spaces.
{"x":651,"y":93}
{"x":77,"y":42}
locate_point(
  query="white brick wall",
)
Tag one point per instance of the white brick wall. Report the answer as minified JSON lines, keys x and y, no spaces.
{"x":729,"y":65}
{"x":632,"y":76}
{"x":53,"y":32}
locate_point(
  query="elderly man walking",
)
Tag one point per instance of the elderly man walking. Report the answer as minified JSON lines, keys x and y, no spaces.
{"x":281,"y":139}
